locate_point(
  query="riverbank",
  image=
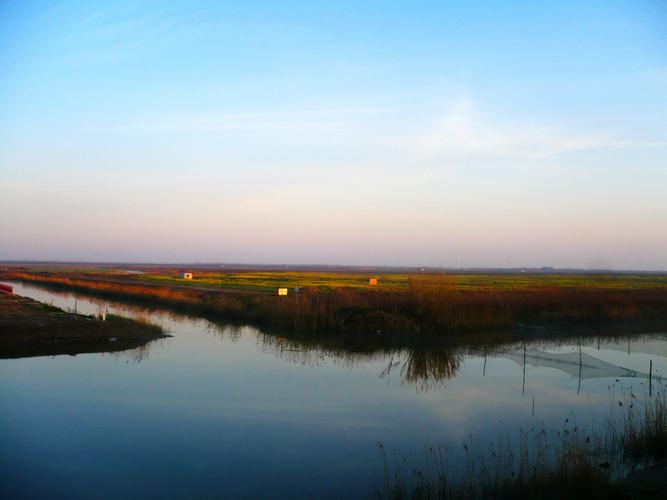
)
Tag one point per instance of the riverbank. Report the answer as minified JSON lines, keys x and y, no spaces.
{"x":431,"y":305}
{"x":30,"y":328}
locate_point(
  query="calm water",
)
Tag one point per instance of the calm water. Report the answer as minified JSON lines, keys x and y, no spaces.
{"x":220,"y":411}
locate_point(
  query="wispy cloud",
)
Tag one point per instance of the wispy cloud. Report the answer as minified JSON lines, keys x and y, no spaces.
{"x":463,"y":131}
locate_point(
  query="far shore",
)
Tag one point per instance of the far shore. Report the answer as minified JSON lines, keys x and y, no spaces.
{"x":425,"y":307}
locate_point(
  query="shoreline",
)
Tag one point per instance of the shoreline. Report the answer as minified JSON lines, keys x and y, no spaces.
{"x":31,"y":328}
{"x":427,"y":312}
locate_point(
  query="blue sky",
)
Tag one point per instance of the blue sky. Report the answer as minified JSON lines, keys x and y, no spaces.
{"x":322,"y":132}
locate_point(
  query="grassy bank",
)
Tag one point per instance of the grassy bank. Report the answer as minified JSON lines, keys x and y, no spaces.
{"x":631,"y":445}
{"x":30,"y":328}
{"x":427,"y":304}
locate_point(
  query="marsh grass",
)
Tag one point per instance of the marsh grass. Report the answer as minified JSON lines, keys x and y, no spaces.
{"x":426,"y":305}
{"x":142,"y":321}
{"x":641,"y":430}
{"x":506,"y":475}
{"x":566,"y":464}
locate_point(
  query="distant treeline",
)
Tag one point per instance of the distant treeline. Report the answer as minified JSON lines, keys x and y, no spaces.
{"x":431,"y":305}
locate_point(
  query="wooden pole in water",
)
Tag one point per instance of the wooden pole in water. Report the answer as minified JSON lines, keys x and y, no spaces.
{"x":650,"y":378}
{"x":579,"y":385}
{"x":523,"y":387}
{"x":484,"y":369}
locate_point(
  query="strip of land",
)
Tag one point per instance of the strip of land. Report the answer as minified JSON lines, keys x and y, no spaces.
{"x":398,"y":305}
{"x":31,"y":328}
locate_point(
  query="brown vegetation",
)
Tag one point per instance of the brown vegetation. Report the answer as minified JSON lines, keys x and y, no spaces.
{"x":430,"y":305}
{"x":580,"y":466}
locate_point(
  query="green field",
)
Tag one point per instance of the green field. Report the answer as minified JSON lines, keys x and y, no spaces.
{"x":269,"y":281}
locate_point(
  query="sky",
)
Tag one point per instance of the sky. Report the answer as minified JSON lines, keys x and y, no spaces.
{"x":488,"y":134}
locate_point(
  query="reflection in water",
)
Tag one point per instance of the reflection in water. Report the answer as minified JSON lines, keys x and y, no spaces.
{"x":430,"y":368}
{"x":225,"y":331}
{"x":424,"y":367}
{"x":296,"y":353}
{"x":137,"y":354}
{"x":267,"y":415}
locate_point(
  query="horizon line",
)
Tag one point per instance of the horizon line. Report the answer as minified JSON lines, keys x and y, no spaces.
{"x":418,"y":268}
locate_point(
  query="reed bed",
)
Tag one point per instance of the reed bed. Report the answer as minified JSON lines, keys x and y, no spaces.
{"x":566,"y":464}
{"x":430,"y":305}
{"x":643,"y":432}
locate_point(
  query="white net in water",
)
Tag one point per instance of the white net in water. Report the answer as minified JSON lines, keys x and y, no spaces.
{"x":578,"y":364}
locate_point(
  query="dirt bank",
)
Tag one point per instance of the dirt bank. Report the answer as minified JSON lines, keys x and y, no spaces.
{"x":30,"y":328}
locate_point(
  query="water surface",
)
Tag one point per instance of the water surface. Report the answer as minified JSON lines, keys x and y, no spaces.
{"x":225,"y":411}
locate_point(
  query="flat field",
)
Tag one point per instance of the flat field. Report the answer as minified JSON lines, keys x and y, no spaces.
{"x":269,"y":281}
{"x":396,"y":282}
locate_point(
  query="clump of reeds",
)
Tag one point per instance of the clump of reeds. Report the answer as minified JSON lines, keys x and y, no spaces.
{"x":575,"y":465}
{"x":505,"y":473}
{"x":643,"y":435}
{"x":140,"y":320}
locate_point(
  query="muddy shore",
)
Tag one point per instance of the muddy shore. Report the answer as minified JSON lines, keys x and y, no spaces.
{"x":30,"y":328}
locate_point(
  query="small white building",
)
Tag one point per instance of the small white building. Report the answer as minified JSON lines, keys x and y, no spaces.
{"x":186,"y":276}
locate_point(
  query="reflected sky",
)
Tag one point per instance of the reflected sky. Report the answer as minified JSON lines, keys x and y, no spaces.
{"x":226,"y":410}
